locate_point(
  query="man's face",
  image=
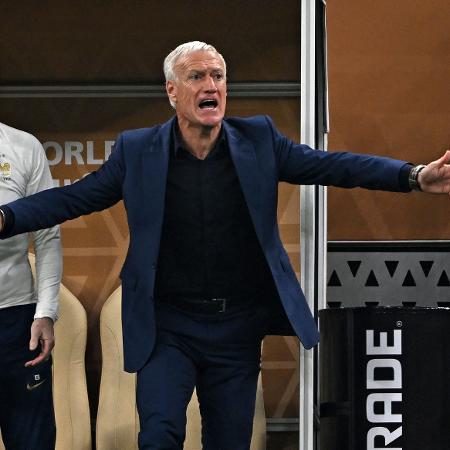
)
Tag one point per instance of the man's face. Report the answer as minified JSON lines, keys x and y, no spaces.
{"x":200,"y":89}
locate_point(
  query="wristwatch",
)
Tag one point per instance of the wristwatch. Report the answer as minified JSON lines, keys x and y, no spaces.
{"x":413,"y":177}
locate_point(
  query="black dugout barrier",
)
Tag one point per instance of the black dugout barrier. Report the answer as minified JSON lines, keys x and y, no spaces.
{"x":385,"y":378}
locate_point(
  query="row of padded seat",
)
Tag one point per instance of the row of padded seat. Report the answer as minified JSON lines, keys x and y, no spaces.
{"x":117,"y":423}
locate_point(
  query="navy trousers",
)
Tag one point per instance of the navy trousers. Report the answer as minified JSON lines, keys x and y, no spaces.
{"x":27,"y":419}
{"x":220,"y":356}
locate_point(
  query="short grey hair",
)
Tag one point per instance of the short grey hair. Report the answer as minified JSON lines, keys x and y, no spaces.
{"x":183,"y":50}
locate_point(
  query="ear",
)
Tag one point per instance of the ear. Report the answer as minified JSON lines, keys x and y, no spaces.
{"x":171,"y":89}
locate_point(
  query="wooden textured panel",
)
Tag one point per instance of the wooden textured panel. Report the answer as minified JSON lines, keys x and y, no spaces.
{"x":128,"y":40}
{"x":389,"y":72}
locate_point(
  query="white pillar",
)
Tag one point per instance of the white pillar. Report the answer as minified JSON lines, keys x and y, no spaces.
{"x":312,"y":211}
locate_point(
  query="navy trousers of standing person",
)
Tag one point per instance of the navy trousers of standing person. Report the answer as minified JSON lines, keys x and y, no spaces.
{"x":27,"y":419}
{"x":219,"y":355}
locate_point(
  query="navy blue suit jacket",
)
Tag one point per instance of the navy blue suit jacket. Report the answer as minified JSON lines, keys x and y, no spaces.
{"x":136,"y":172}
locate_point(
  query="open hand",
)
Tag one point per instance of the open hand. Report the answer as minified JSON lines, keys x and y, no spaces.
{"x":435,"y":177}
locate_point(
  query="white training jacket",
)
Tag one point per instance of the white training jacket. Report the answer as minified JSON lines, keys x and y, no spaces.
{"x":24,"y":171}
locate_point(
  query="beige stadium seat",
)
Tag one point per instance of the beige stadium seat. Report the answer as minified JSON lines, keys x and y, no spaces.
{"x":117,"y":419}
{"x":73,"y":428}
{"x":70,"y":399}
{"x":73,"y":423}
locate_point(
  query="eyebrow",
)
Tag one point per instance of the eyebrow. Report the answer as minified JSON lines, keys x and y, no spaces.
{"x":215,"y":69}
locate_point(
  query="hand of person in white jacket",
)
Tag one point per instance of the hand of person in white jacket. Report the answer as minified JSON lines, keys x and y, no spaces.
{"x":41,"y":334}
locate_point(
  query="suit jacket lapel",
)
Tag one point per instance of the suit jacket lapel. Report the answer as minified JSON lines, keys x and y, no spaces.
{"x":155,"y":165}
{"x":244,"y":158}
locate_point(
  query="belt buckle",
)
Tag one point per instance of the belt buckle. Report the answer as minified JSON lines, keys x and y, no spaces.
{"x":223,"y":303}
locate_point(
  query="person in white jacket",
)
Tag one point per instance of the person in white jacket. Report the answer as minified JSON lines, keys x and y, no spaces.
{"x":28,"y":310}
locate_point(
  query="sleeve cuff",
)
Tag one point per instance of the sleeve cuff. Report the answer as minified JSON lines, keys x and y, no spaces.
{"x":8,"y":217}
{"x":44,"y":313}
{"x":403,"y":177}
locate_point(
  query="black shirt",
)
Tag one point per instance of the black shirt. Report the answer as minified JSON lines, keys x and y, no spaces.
{"x":209,"y":248}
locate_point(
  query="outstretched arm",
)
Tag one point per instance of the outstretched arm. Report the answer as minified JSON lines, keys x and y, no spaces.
{"x":97,"y":191}
{"x":434,"y":178}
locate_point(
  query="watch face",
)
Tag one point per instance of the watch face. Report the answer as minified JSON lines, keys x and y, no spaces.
{"x":413,"y":175}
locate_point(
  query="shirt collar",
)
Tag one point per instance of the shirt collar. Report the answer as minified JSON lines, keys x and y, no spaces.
{"x":178,"y":146}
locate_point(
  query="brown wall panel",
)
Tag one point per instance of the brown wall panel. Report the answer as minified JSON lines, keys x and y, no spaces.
{"x":126,"y":41}
{"x":77,"y":133}
{"x":389,"y":68}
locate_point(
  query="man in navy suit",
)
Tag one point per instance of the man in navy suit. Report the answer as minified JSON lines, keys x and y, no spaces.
{"x":206,"y":275}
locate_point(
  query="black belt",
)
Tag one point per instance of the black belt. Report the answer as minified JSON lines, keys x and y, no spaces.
{"x":206,"y":305}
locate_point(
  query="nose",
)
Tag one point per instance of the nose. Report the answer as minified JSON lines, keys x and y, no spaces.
{"x":210,"y":84}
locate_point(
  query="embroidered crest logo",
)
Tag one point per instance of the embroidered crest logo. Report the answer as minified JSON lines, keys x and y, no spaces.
{"x":5,"y":169}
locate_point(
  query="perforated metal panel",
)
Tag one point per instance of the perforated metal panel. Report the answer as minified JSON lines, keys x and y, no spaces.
{"x":413,"y":273}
